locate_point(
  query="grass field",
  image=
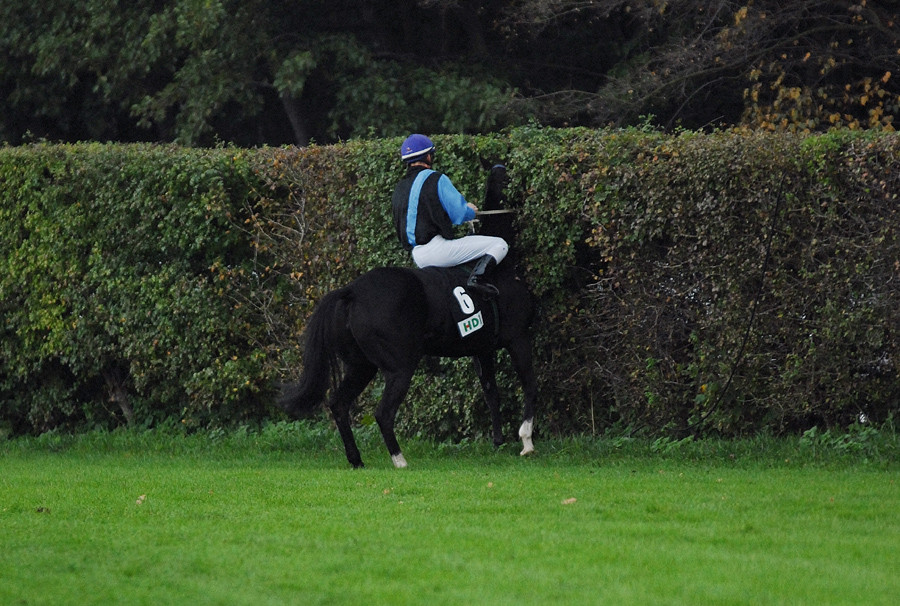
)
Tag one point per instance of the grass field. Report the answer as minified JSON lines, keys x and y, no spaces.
{"x":275,"y":516}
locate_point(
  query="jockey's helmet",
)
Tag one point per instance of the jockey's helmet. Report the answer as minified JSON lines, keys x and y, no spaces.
{"x":415,"y":147}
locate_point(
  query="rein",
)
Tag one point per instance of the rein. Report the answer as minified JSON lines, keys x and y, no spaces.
{"x":471,"y":224}
{"x":503,"y":211}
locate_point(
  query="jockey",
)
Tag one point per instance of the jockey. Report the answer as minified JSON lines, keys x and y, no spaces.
{"x":426,"y":205}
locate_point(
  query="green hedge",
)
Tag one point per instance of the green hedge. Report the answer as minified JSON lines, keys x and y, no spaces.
{"x":150,"y":284}
{"x":110,"y":309}
{"x":680,"y":233}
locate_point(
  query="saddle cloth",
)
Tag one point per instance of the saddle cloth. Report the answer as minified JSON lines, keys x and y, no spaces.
{"x":466,"y":310}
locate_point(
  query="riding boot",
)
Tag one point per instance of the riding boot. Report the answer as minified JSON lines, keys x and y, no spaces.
{"x":476,"y":283}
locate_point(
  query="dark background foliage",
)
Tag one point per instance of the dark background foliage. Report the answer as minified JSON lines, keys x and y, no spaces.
{"x":253,"y":72}
{"x":149,"y":284}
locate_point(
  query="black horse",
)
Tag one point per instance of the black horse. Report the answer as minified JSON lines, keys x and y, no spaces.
{"x":389,"y":318}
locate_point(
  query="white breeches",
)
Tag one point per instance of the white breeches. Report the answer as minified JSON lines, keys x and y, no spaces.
{"x":447,"y":253}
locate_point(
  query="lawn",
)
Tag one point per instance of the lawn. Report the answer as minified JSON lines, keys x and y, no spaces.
{"x":276,"y":516}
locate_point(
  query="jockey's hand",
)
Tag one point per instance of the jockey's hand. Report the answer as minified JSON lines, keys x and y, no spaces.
{"x":472,"y":206}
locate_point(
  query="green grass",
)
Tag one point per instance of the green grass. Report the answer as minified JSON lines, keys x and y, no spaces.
{"x":275,"y":516}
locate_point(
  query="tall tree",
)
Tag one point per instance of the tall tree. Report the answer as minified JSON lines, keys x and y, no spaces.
{"x":279,"y":71}
{"x":70,"y":69}
{"x":249,"y":71}
{"x":801,"y":64}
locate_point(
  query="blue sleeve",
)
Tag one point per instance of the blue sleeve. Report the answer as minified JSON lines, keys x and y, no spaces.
{"x":453,"y":202}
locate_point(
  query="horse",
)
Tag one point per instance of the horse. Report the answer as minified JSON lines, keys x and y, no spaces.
{"x":389,"y":318}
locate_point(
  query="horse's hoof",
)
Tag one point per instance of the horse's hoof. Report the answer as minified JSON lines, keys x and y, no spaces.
{"x":528,"y":450}
{"x":399,"y":460}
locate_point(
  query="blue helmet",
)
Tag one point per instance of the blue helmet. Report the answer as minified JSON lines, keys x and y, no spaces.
{"x":415,"y":147}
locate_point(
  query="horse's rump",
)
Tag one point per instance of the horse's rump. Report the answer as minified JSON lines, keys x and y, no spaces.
{"x":386,"y":316}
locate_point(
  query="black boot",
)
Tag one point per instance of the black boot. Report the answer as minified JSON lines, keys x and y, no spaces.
{"x":476,"y":283}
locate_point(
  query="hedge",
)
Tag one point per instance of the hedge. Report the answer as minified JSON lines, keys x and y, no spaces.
{"x":725,"y":283}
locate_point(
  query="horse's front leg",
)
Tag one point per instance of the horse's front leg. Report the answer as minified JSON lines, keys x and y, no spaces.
{"x":520,"y":354}
{"x":485,"y":368}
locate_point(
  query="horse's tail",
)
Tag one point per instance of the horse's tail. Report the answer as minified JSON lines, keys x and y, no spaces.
{"x":320,"y":359}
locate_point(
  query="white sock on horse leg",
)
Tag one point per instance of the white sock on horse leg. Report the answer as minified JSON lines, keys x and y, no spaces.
{"x":525,"y":434}
{"x":399,"y":460}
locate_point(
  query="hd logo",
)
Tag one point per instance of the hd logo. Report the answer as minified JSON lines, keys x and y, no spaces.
{"x":467,"y":306}
{"x":470,"y":325}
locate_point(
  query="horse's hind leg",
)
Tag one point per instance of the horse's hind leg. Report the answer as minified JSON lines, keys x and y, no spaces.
{"x":485,"y":368}
{"x":520,"y":354}
{"x":396,"y":384}
{"x":355,"y":380}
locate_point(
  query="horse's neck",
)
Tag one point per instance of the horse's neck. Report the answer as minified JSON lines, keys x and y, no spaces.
{"x":500,"y":226}
{"x":494,"y":201}
{"x":509,"y":268}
